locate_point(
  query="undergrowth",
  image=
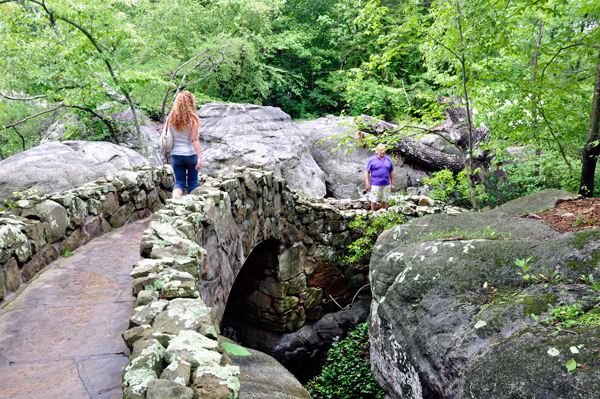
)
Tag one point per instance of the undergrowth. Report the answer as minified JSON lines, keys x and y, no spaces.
{"x":347,"y":371}
{"x":361,"y":249}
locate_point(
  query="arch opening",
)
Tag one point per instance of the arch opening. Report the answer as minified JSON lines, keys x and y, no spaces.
{"x":271,"y":308}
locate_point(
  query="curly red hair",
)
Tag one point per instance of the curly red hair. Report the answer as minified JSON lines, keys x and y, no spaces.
{"x":184,"y":111}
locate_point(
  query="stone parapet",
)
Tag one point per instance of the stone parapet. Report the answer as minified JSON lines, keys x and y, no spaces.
{"x":194,"y":249}
{"x":37,"y":230}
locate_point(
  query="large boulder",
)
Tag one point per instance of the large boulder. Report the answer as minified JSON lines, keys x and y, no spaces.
{"x":126,"y":131}
{"x":263,"y":377}
{"x":345,"y":171}
{"x":453,"y":318}
{"x":59,"y":166}
{"x":258,"y":137}
{"x":150,"y":135}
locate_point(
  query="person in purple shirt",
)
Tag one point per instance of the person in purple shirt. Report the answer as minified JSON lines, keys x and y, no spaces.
{"x":379,"y":178}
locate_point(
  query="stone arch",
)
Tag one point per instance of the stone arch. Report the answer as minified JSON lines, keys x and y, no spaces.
{"x":271,"y":289}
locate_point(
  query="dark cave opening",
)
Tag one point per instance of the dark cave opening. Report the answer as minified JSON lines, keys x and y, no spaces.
{"x":299,"y":339}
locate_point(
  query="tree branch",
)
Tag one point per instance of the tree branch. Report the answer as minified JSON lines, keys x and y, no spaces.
{"x":174,"y":74}
{"x":21,"y":136}
{"x":107,"y":121}
{"x":33,"y":116}
{"x":22,"y":98}
{"x":559,"y":51}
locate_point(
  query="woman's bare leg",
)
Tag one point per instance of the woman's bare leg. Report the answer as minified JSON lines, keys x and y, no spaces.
{"x":177,"y":192}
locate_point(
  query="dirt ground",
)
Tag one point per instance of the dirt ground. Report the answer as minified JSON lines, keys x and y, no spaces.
{"x":572,"y":215}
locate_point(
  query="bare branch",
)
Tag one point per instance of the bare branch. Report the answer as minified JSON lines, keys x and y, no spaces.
{"x":21,"y":136}
{"x":181,"y":85}
{"x":22,"y":98}
{"x":39,"y":96}
{"x":107,"y":121}
{"x":441,"y":44}
{"x":33,"y":116}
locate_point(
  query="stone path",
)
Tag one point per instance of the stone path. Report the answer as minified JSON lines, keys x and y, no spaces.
{"x":61,"y":336}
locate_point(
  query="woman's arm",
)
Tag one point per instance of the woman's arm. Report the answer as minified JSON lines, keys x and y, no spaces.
{"x":196,"y":143}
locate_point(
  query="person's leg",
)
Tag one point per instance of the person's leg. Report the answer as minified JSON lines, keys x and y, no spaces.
{"x":192,"y":173}
{"x":385,"y":196}
{"x":375,"y":197}
{"x":179,"y":171}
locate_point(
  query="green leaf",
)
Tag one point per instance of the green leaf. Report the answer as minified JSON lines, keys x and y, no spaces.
{"x":571,"y":365}
{"x":234,"y":349}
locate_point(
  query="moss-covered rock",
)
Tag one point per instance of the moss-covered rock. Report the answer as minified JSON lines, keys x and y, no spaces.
{"x":186,"y":314}
{"x":145,"y":364}
{"x":193,"y":348}
{"x":453,"y":318}
{"x":164,"y":389}
{"x":216,"y":382}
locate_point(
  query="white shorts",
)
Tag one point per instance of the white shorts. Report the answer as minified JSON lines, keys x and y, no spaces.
{"x":379,"y":193}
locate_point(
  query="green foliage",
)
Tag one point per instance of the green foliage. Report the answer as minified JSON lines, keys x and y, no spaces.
{"x":527,"y":173}
{"x":67,"y":253}
{"x":452,"y":188}
{"x":27,"y":135}
{"x":235,"y":350}
{"x":513,"y":176}
{"x":590,"y":280}
{"x":347,"y":371}
{"x":377,"y":57}
{"x":571,"y":365}
{"x":582,"y":220}
{"x":360,"y":250}
{"x":545,"y":276}
{"x":566,"y":315}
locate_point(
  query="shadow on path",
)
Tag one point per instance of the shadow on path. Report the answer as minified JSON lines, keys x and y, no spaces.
{"x":61,"y":336}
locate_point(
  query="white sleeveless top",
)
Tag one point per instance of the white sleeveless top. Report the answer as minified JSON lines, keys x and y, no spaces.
{"x":182,"y":142}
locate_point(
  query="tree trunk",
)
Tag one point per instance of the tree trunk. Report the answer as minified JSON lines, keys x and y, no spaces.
{"x":429,"y":158}
{"x":592,"y":148}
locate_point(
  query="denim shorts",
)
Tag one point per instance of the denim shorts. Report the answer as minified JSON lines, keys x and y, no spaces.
{"x":186,"y":175}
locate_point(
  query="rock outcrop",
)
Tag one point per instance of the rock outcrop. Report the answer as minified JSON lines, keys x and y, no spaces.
{"x":454,"y":318}
{"x":126,"y":134}
{"x":60,"y":166}
{"x":345,"y":171}
{"x":263,"y":377}
{"x":258,"y":137}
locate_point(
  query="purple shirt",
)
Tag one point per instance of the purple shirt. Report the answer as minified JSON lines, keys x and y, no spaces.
{"x":380,"y":170}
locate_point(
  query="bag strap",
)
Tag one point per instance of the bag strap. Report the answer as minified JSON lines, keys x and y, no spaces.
{"x":166,"y":125}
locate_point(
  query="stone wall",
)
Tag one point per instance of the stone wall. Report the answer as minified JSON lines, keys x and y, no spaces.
{"x":196,"y":247}
{"x":37,"y":230}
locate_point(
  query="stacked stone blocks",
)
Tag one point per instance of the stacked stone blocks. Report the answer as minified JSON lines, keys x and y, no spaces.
{"x":36,"y":230}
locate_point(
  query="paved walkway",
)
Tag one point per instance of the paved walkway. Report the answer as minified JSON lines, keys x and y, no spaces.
{"x":61,"y":336}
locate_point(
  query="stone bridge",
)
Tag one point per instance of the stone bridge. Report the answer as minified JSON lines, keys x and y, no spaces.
{"x":242,"y":240}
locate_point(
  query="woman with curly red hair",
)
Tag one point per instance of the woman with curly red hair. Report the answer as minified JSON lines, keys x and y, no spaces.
{"x":186,"y":158}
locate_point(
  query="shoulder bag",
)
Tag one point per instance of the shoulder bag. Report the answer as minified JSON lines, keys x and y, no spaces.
{"x":165,"y":141}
